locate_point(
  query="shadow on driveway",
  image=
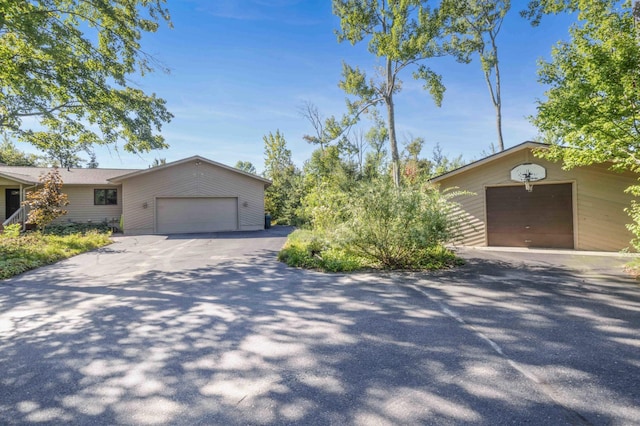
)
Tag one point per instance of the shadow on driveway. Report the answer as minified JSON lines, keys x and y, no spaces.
{"x":250,"y":341}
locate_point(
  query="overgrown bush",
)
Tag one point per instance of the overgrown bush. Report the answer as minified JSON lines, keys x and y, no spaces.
{"x":381,"y":226}
{"x":306,"y":249}
{"x":397,"y":228}
{"x":20,"y":253}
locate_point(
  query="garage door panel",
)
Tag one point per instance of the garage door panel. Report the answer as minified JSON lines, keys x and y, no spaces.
{"x":196,"y":214}
{"x":542,"y":218}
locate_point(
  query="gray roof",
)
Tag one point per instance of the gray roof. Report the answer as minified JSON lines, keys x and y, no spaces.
{"x":31,"y":175}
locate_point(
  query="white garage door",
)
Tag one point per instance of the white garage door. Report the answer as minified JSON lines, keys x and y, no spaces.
{"x":189,"y":215}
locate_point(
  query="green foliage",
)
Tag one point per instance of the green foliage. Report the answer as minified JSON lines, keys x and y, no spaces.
{"x":11,"y":231}
{"x":398,"y":228}
{"x":593,"y":103}
{"x":20,"y":253}
{"x":377,"y":226}
{"x":592,"y":108}
{"x":328,"y":179}
{"x":402,"y":34}
{"x":245,"y":166}
{"x":46,"y":202}
{"x":306,"y":249}
{"x":77,"y":228}
{"x":67,"y":66}
{"x":283,"y":196}
{"x":12,"y":156}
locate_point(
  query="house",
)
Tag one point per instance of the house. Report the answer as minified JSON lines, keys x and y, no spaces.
{"x":521,"y":200}
{"x":186,"y":196}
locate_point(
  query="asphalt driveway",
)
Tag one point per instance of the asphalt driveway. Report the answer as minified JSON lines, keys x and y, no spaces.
{"x":211,"y":329}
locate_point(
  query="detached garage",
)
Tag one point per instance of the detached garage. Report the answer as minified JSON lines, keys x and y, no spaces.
{"x":190,"y":196}
{"x":520,"y":200}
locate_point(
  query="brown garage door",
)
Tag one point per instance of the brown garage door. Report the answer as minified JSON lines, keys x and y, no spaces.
{"x":542,"y":218}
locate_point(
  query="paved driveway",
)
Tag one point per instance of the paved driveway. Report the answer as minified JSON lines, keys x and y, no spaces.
{"x":211,"y":329}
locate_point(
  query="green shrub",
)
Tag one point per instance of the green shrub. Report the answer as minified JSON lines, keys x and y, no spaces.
{"x":34,"y":249}
{"x":397,"y":228}
{"x":77,"y":228}
{"x":11,"y":231}
{"x":306,"y":249}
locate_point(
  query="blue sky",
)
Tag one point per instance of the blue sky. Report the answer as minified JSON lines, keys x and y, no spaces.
{"x":242,"y":68}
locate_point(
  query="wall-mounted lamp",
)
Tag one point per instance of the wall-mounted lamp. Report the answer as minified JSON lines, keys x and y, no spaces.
{"x":245,"y":204}
{"x":145,"y":205}
{"x":197,"y":162}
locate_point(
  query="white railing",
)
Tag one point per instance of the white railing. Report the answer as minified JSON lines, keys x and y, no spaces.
{"x":20,"y":216}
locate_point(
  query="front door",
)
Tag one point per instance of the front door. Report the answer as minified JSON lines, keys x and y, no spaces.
{"x":12,"y":197}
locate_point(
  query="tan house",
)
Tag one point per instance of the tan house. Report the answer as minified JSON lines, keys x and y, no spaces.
{"x":186,"y":196}
{"x":521,"y":200}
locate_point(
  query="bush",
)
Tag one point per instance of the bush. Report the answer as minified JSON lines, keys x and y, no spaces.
{"x":306,"y":249}
{"x":34,"y":249}
{"x":397,"y":228}
{"x":77,"y":228}
{"x":11,"y":231}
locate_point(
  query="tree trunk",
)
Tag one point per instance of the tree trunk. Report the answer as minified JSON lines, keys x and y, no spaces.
{"x":391,"y":116}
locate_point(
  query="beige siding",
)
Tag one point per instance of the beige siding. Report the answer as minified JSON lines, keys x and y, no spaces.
{"x":190,"y":180}
{"x":81,"y":207}
{"x":599,"y":199}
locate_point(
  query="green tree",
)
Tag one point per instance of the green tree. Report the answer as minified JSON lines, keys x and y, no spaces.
{"x":245,"y":166}
{"x":46,"y":203}
{"x":12,"y":156}
{"x":282,"y":198}
{"x":591,"y":113}
{"x":328,"y":180}
{"x":477,"y":23}
{"x":66,"y":65}
{"x":403,"y":33}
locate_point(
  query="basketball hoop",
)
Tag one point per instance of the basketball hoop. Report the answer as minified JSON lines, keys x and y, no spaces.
{"x":528,"y":173}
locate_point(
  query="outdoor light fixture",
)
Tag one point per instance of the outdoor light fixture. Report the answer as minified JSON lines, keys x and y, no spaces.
{"x":145,"y":205}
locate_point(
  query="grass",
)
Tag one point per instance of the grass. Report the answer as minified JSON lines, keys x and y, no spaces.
{"x":304,"y":249}
{"x":20,"y":253}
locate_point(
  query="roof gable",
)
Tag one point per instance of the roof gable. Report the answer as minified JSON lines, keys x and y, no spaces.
{"x":490,"y":159}
{"x":196,"y":158}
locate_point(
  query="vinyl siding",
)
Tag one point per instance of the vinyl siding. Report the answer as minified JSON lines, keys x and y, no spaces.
{"x":80,"y":208}
{"x":599,"y":200}
{"x":190,"y":180}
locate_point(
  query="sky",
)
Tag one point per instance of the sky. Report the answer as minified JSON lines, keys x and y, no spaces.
{"x":240,"y":69}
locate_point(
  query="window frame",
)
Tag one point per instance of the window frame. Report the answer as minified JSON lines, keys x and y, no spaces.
{"x":105,"y":197}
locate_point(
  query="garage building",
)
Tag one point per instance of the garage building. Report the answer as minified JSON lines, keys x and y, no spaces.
{"x":581,"y":208}
{"x":191,"y":195}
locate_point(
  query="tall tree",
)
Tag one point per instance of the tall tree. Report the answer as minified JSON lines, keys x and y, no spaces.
{"x":402,"y":33}
{"x":591,"y":113}
{"x":593,"y":103}
{"x":478,"y":22}
{"x":281,"y":198}
{"x":66,"y":65}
